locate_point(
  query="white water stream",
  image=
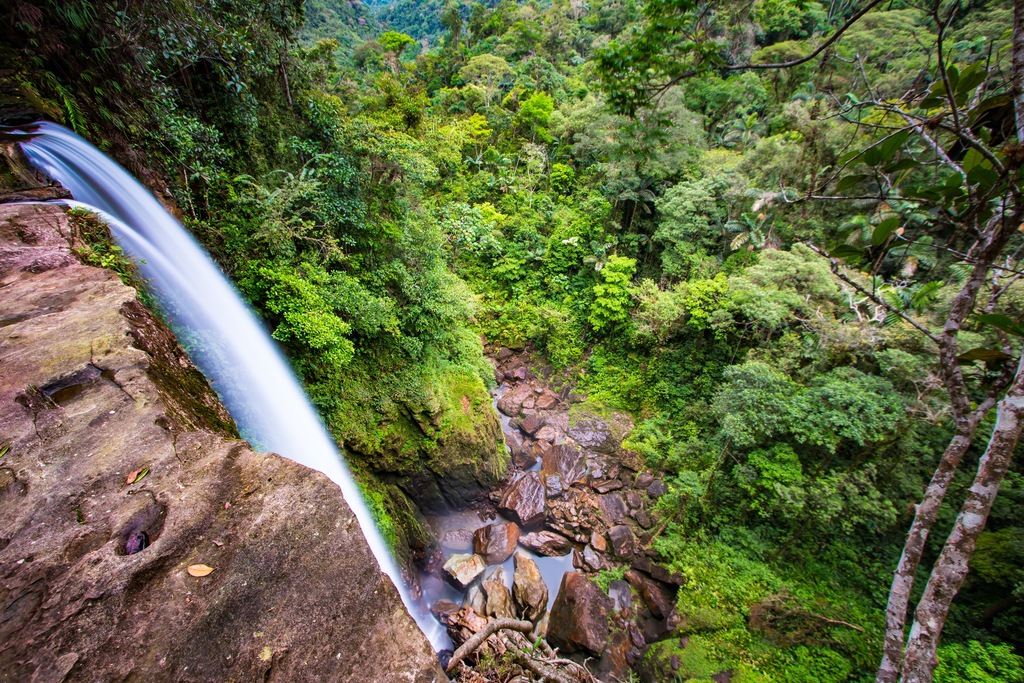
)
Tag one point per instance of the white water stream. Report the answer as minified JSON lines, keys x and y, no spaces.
{"x":236,"y":353}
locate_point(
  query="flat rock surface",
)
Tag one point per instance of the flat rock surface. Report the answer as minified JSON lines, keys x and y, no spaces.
{"x":95,"y":388}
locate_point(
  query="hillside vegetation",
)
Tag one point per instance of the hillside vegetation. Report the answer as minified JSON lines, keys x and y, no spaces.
{"x":758,"y":264}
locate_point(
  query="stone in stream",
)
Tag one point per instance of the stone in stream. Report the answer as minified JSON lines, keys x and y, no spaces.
{"x":511,"y":403}
{"x":475,"y":599}
{"x":459,"y":540}
{"x":529,"y":592}
{"x":498,"y":599}
{"x":524,"y":500}
{"x":523,"y":457}
{"x":496,"y":542}
{"x":622,"y":540}
{"x":546,"y":543}
{"x":464,"y":568}
{"x":579,"y":616}
{"x":531,"y":423}
{"x":443,"y":607}
{"x":567,"y":462}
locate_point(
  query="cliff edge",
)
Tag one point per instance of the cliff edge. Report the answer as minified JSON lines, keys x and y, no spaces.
{"x":96,"y":393}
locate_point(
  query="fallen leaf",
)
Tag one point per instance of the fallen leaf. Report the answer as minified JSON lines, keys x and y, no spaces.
{"x":4,"y":449}
{"x":219,"y":544}
{"x":199,"y":569}
{"x":136,"y":476}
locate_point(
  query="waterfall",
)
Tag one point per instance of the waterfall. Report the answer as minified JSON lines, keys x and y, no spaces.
{"x":236,"y":353}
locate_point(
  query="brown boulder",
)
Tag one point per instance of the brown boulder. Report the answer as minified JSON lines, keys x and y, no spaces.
{"x":498,"y":599}
{"x":546,"y":543}
{"x":613,"y":508}
{"x":622,"y":540}
{"x":524,"y":500}
{"x":546,"y":401}
{"x":464,"y":568}
{"x":579,"y":616}
{"x":531,"y":423}
{"x":567,"y":462}
{"x":599,"y":433}
{"x":657,"y":596}
{"x":496,"y":542}
{"x":529,"y":591}
{"x":511,"y":403}
{"x":523,"y":458}
{"x":82,"y":609}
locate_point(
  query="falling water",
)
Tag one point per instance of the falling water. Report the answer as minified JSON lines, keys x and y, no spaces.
{"x":237,"y":354}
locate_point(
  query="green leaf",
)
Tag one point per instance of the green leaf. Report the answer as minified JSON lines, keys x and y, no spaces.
{"x":848,"y":253}
{"x":846,"y":182}
{"x":985,"y":355}
{"x":849,"y":156}
{"x":889,"y":148}
{"x":972,"y":159}
{"x":5,"y":449}
{"x":883,"y":230}
{"x":1002,"y":322}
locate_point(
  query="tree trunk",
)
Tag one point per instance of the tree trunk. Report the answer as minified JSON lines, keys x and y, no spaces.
{"x":903,"y":578}
{"x":950,"y":569}
{"x":1018,"y":67}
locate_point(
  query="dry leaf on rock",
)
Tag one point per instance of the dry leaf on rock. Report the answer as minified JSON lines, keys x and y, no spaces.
{"x":199,"y":569}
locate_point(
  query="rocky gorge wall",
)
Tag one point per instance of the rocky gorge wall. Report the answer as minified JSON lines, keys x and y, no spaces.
{"x":94,"y":580}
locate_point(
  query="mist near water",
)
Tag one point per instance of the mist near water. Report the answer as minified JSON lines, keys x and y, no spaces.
{"x":224,"y":337}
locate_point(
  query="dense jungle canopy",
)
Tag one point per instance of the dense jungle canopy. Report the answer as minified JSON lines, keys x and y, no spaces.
{"x":784,"y":235}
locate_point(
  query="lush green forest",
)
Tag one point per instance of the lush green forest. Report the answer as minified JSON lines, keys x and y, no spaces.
{"x":782,"y":235}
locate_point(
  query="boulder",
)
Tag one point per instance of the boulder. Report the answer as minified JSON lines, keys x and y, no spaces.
{"x":295,"y":592}
{"x":498,"y":602}
{"x":531,"y":423}
{"x":459,"y":540}
{"x":614,"y":662}
{"x":443,"y":607}
{"x":607,"y":486}
{"x":642,"y":518}
{"x":503,"y":353}
{"x":475,"y":599}
{"x":657,"y":488}
{"x":524,"y":501}
{"x":496,"y":542}
{"x":588,"y":560}
{"x":657,"y":596}
{"x":579,"y":616}
{"x":523,"y":458}
{"x":633,"y":499}
{"x":598,"y":540}
{"x":511,"y":403}
{"x":464,"y":568}
{"x":602,"y":433}
{"x":548,"y":433}
{"x":546,"y":543}
{"x":613,"y":508}
{"x":546,"y":401}
{"x":566,"y":462}
{"x":622,"y":540}
{"x":529,"y":592}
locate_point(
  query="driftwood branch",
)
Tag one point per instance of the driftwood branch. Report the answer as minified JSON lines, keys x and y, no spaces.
{"x":492,"y":627}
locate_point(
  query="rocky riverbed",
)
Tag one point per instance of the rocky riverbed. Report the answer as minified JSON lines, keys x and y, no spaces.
{"x":574,"y":505}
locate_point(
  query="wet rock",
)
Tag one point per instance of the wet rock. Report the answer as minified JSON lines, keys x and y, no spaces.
{"x":464,"y":568}
{"x":475,"y":599}
{"x":496,"y":542}
{"x":599,"y":433}
{"x":72,"y":614}
{"x":547,"y":433}
{"x":613,"y":508}
{"x":613,"y":664}
{"x":443,"y":607}
{"x":458,"y":540}
{"x":511,"y":403}
{"x":622,"y":540}
{"x":566,"y":462}
{"x":633,"y":499}
{"x":546,"y":543}
{"x":529,"y":592}
{"x":658,"y":597}
{"x":513,"y":440}
{"x":553,"y":484}
{"x":657,"y":488}
{"x":599,"y":542}
{"x":588,"y":560}
{"x":523,"y":458}
{"x":524,"y":501}
{"x":546,"y":401}
{"x":642,"y":518}
{"x":498,"y":602}
{"x":579,"y":616}
{"x":621,"y":595}
{"x":531,"y":423}
{"x":607,"y":486}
